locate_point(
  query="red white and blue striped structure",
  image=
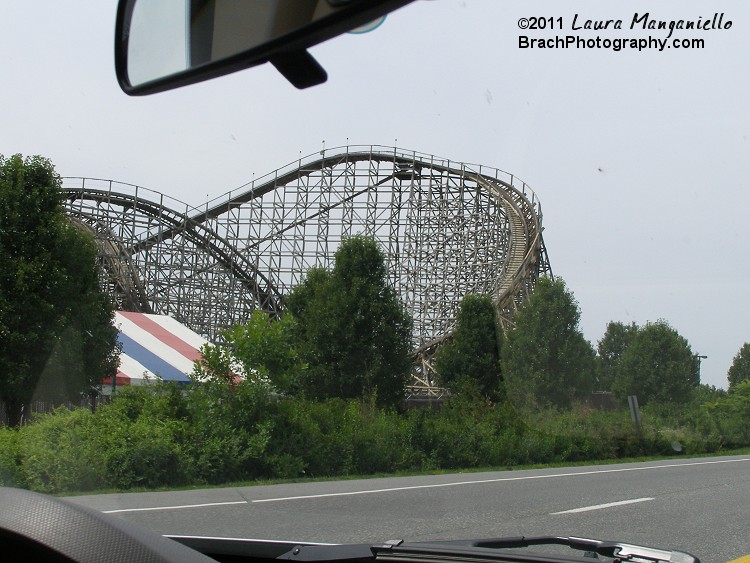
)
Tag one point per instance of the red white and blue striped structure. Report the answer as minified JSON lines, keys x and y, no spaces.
{"x":153,"y":347}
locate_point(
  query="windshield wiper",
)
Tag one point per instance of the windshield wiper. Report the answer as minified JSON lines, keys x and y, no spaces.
{"x":454,"y":551}
{"x":495,"y":549}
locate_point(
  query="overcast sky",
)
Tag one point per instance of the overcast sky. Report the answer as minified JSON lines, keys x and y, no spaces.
{"x":641,"y":159}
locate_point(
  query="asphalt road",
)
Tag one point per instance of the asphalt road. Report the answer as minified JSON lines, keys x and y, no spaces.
{"x":697,"y":505}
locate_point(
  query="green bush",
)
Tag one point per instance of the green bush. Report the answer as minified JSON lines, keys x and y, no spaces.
{"x":57,"y":452}
{"x":467,"y":432}
{"x":228,"y":431}
{"x":9,"y":469}
{"x":160,"y":435}
{"x":146,"y":452}
{"x":309,"y":439}
{"x":379,"y":439}
{"x":729,"y":416}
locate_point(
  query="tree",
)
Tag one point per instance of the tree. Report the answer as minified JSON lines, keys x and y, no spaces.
{"x":658,"y":365}
{"x":51,"y":307}
{"x":471,"y":359}
{"x":85,"y":352}
{"x":739,"y":371}
{"x":261,"y":349}
{"x":617,"y":337}
{"x":545,"y":358}
{"x":352,"y":331}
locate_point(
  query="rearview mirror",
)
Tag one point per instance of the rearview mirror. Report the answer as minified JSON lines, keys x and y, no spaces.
{"x":164,"y":44}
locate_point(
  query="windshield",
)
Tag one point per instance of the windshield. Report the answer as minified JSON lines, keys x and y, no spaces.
{"x":532,"y":213}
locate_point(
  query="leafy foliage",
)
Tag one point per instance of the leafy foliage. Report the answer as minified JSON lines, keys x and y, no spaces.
{"x":352,"y":331}
{"x":658,"y":365}
{"x":160,"y":435}
{"x":217,"y":364}
{"x":729,"y":413}
{"x":617,"y":337}
{"x":261,"y":349}
{"x":51,"y":307}
{"x":471,"y":359}
{"x":85,"y":352}
{"x":545,"y":358}
{"x":739,"y":371}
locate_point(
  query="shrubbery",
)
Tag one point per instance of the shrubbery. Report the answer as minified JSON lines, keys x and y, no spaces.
{"x":160,"y":435}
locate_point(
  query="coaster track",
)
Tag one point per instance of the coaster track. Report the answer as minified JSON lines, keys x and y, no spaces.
{"x":448,"y":229}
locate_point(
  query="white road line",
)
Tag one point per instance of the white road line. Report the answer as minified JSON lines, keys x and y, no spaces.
{"x":174,"y":507}
{"x":499,"y":480}
{"x":600,"y":506}
{"x":433,"y":486}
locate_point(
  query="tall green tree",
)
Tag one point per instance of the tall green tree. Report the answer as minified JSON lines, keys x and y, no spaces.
{"x":610,"y":349}
{"x":352,"y":331}
{"x":471,"y":359}
{"x":739,"y":371}
{"x":658,"y":365}
{"x":545,"y":358}
{"x":51,"y":307}
{"x":84,"y":352}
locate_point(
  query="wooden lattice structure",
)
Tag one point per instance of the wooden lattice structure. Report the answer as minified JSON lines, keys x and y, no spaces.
{"x":448,"y":229}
